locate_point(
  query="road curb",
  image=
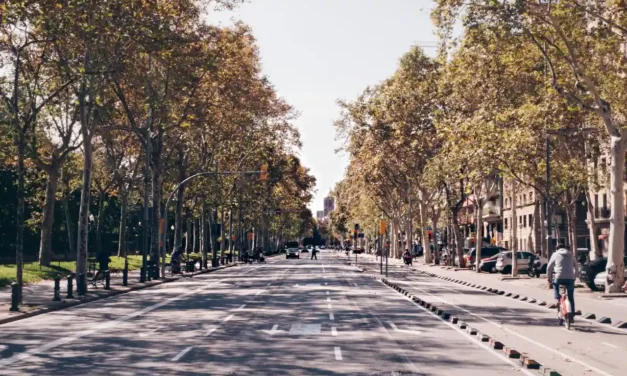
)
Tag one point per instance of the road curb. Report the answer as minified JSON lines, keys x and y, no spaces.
{"x":586,"y":316}
{"x":65,"y":305}
{"x":524,"y":361}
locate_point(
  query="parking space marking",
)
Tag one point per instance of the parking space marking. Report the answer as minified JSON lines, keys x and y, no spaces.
{"x":328,"y":299}
{"x":338,"y":353}
{"x":330,"y":308}
{"x":228,"y":318}
{"x":610,"y":345}
{"x":331,"y":317}
{"x":334,"y":331}
{"x":185,"y":351}
{"x":327,"y":293}
{"x":241,"y":307}
{"x":210,"y":332}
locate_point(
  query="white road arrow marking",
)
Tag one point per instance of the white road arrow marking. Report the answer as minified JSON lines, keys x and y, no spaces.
{"x":334,"y":331}
{"x":396,"y":329}
{"x":149,"y":333}
{"x":182,"y":354}
{"x":338,"y":353}
{"x":273,"y":331}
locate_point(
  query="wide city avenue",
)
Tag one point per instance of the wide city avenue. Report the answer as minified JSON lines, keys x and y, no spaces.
{"x":313,"y":187}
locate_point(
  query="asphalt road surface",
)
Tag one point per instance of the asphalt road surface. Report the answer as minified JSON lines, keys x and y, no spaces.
{"x":286,"y":317}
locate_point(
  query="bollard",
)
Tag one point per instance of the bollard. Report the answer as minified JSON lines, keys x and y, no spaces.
{"x":125,"y":273}
{"x":81,"y":284}
{"x":70,"y":287}
{"x":15,"y":297}
{"x":142,"y":274}
{"x":192,"y":266}
{"x":155,"y":270}
{"x":148,"y":272}
{"x":57,"y":289}
{"x":107,"y":280}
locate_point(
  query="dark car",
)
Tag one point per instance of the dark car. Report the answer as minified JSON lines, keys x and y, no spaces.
{"x":486,"y":252}
{"x":488,"y":264}
{"x":590,"y":269}
{"x":304,"y":250}
{"x":358,"y":251}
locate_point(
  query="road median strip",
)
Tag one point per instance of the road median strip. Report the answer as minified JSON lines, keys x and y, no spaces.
{"x":525,"y":361}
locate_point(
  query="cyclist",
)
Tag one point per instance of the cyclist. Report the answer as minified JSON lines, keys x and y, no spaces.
{"x":175,"y":260}
{"x":565,"y":265}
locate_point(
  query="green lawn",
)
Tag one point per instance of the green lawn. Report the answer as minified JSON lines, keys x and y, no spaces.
{"x":34,"y":273}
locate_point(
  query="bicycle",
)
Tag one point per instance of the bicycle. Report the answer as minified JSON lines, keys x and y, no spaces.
{"x":564,"y":314}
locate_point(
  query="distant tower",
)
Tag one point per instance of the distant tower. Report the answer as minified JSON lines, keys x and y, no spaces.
{"x":329,"y":205}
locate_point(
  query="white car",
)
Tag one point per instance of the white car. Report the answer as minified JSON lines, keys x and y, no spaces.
{"x":599,"y":279}
{"x":292,"y":250}
{"x":504,"y":261}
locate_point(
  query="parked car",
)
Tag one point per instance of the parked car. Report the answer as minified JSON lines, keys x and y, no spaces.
{"x":323,"y":247}
{"x":486,"y":252}
{"x":590,"y":273}
{"x":304,"y":250}
{"x":488,"y":264}
{"x":523,"y":258}
{"x":599,"y":280}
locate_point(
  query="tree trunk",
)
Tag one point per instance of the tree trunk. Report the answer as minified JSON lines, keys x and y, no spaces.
{"x":69,"y":225}
{"x":122,"y":251}
{"x":616,"y":251}
{"x":205,"y":235}
{"x":222,"y":232}
{"x":102,"y":203}
{"x":458,"y":238}
{"x":156,"y":238}
{"x":424,"y":222}
{"x":543,"y":230}
{"x":83,"y":212}
{"x":571,"y":218}
{"x":537,"y":227}
{"x":593,"y":228}
{"x":188,"y":235}
{"x":195,"y":231}
{"x":178,"y":218}
{"x":514,"y":231}
{"x":19,"y":242}
{"x":231,"y":249}
{"x":479,"y":230}
{"x":435,"y":217}
{"x":45,"y":244}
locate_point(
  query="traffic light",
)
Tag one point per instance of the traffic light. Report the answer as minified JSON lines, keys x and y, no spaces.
{"x":264,"y":172}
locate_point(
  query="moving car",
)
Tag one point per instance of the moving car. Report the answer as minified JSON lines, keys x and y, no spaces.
{"x":486,"y":252}
{"x":292,"y":250}
{"x":523,"y":259}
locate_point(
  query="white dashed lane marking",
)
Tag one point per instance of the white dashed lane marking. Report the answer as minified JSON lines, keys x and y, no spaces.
{"x":188,"y":349}
{"x":338,"y":353}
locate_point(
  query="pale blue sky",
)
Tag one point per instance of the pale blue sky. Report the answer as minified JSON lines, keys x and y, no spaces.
{"x":318,"y":51}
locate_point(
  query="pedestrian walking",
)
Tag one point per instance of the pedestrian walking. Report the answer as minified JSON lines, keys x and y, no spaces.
{"x":313,"y":253}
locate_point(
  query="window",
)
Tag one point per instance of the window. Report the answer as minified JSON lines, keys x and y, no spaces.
{"x":530,"y":219}
{"x":596,"y":206}
{"x":524,"y":221}
{"x":604,"y":200}
{"x":506,"y":202}
{"x":603,"y":165}
{"x":524,"y":199}
{"x":507,"y":244}
{"x":505,"y":224}
{"x":530,"y":196}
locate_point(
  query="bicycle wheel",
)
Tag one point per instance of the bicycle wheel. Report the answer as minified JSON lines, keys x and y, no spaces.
{"x":567,"y":323}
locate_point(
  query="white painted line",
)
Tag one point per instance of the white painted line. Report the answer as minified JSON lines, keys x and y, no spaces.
{"x":331,"y":317}
{"x":259,"y":292}
{"x":210,"y":332}
{"x":228,"y":318}
{"x":328,"y":299}
{"x":610,"y":345}
{"x":327,"y":293}
{"x":561,"y":354}
{"x":355,"y":284}
{"x":394,"y":326}
{"x":334,"y":331}
{"x":241,"y":307}
{"x":338,"y":353}
{"x":182,"y":354}
{"x":106,"y":325}
{"x":356,"y":305}
{"x":325,"y":283}
{"x":269,"y":284}
{"x":330,"y":308}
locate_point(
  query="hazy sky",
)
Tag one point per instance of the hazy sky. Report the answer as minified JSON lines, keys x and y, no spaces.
{"x":318,"y":51}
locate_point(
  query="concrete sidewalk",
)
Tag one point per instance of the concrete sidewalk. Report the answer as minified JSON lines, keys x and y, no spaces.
{"x":534,"y":288}
{"x":38,"y":297}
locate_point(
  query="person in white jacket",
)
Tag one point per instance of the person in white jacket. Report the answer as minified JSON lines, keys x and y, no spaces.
{"x":562,"y":271}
